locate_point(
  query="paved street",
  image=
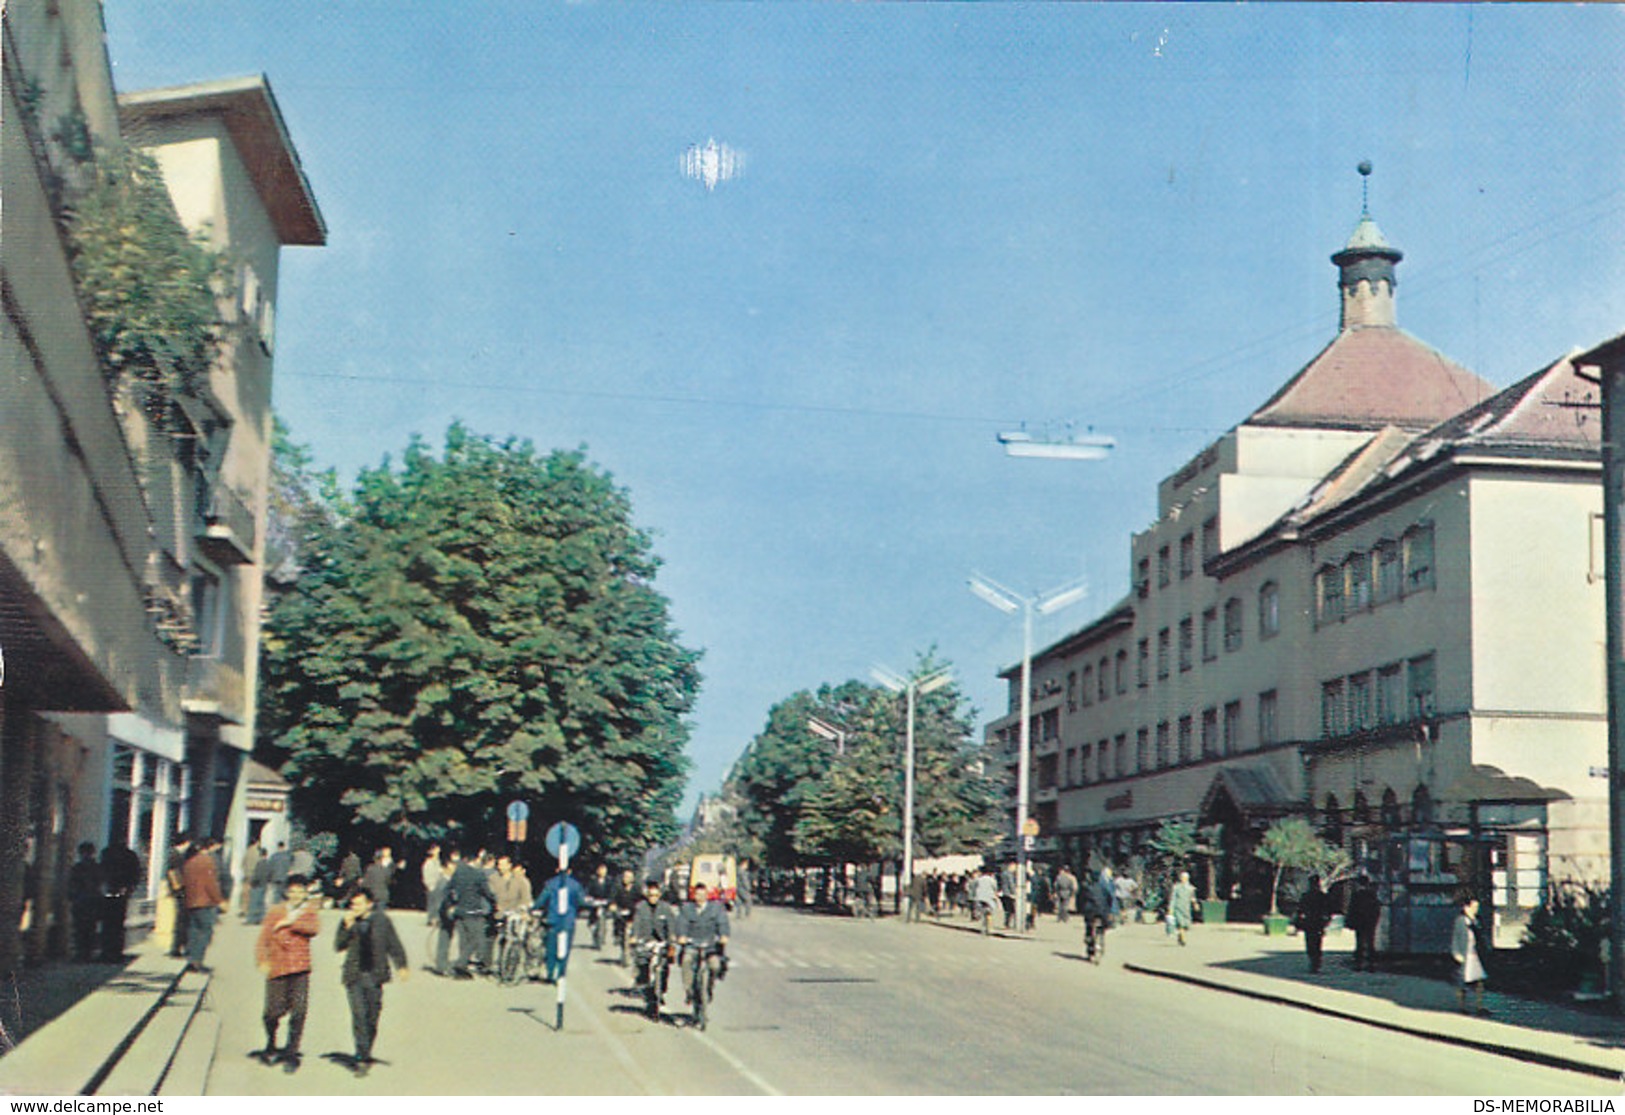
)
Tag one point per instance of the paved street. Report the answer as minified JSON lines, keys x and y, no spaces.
{"x":820,"y":1005}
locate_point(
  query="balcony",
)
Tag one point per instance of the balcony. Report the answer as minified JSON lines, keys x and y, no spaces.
{"x":215,"y":689}
{"x":227,"y":537}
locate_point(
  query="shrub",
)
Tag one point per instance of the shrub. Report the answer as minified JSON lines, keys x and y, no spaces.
{"x":1564,"y":937}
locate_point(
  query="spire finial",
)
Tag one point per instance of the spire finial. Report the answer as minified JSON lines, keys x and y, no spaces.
{"x":1365,"y":187}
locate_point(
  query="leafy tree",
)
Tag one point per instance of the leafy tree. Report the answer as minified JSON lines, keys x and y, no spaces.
{"x":1293,"y":843}
{"x":472,"y":629}
{"x":803,"y":797}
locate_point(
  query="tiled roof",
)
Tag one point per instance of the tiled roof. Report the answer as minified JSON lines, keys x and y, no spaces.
{"x":1553,"y":410}
{"x":1372,"y":377}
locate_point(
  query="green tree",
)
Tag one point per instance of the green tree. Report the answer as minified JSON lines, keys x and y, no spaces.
{"x":1293,"y":843}
{"x":475,"y":628}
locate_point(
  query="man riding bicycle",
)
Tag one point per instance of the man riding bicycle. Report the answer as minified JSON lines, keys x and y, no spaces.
{"x":703,"y":933}
{"x":600,"y":890}
{"x":652,"y":931}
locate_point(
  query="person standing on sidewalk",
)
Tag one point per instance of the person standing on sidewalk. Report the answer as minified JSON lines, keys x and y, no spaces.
{"x":252,"y":858}
{"x":85,"y":899}
{"x":175,"y":891}
{"x":1066,"y":893}
{"x":380,"y":875}
{"x":371,"y":948}
{"x":204,"y":902}
{"x":282,"y":953}
{"x":1099,"y":912}
{"x":1464,"y":950}
{"x":1181,"y":900}
{"x":121,"y":876}
{"x":1314,"y":911}
{"x":1365,"y":913}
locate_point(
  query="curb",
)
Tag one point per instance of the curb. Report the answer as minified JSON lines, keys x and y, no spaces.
{"x":1518,"y":1053}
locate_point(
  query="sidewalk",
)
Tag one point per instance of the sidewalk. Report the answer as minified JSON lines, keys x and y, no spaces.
{"x":79,"y":1029}
{"x":1239,"y":959}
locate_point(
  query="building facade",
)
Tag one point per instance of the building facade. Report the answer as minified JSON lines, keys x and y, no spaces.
{"x":1375,"y":603}
{"x":129,"y":548}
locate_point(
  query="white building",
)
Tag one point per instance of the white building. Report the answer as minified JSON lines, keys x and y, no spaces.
{"x":1376,"y":602}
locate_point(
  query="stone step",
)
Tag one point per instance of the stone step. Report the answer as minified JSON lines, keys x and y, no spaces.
{"x":142,"y":1068}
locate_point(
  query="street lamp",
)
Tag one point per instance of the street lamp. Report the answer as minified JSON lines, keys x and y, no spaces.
{"x":1008,"y":602}
{"x":826,"y":730}
{"x":912,"y":687}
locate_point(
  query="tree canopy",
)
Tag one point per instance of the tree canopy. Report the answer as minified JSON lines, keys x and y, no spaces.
{"x":471,"y":629}
{"x":799,"y":796}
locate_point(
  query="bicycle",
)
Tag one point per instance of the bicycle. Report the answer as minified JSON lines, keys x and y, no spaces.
{"x":520,"y":948}
{"x":703,"y":980}
{"x":596,"y":914}
{"x":654,"y":961}
{"x":621,"y":916}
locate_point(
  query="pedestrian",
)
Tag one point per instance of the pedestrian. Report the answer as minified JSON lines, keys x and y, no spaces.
{"x":282,"y":953}
{"x":175,"y":892}
{"x":1066,"y":893}
{"x":252,"y":858}
{"x":371,"y":949}
{"x":1126,"y":888}
{"x":259,"y":889}
{"x":431,"y":873}
{"x":743,"y":882}
{"x":984,"y":898}
{"x":1465,"y":951}
{"x":349,"y":877}
{"x":916,"y":897}
{"x":559,"y":903}
{"x":379,"y":876}
{"x":85,"y":899}
{"x":121,"y":875}
{"x":1007,"y":893}
{"x":1181,"y":900}
{"x":1314,"y":911}
{"x":472,"y":904}
{"x":301,"y":861}
{"x":1365,"y":914}
{"x":279,"y":865}
{"x":443,"y":915}
{"x":204,"y":901}
{"x":1099,"y":913}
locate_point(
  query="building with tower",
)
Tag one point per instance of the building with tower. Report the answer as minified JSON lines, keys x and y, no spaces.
{"x":1377,"y":603}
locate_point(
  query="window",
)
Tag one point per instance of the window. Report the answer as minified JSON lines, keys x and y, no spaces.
{"x":1232,"y":727}
{"x":1162,"y":653}
{"x":1120,"y":745}
{"x":1071,"y":691}
{"x":1417,"y":555}
{"x":1210,"y":733}
{"x":1210,"y":540}
{"x":1049,"y":725}
{"x":1357,"y":581}
{"x":1163,"y":571}
{"x":1143,"y":663}
{"x":1164,"y":759}
{"x":1142,"y":749}
{"x":1419,"y":696}
{"x":1083,"y":764}
{"x":1142,"y":577}
{"x":1359,"y":702}
{"x":1088,"y":686}
{"x":1210,"y":634}
{"x":208,"y":616}
{"x":1120,"y":670}
{"x":1185,"y":739}
{"x":1387,"y":559}
{"x":1105,"y":753}
{"x":1331,"y":708}
{"x":1421,"y":805}
{"x":1269,"y":610}
{"x":1268,"y":709}
{"x":1187,"y":556}
{"x":1232,"y":624}
{"x":1105,"y":678}
{"x":1328,"y":594}
{"x":1066,"y":768}
{"x":1390,"y":808}
{"x":1187,"y":639}
{"x":1333,"y":832}
{"x":1390,"y":694}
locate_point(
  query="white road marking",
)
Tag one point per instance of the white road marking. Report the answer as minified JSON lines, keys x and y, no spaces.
{"x":735,"y":1063}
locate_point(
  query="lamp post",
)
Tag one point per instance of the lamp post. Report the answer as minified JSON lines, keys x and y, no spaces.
{"x":912,"y":688}
{"x":1008,"y":601}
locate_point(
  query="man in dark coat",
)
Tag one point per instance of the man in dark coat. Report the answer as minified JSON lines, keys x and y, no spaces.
{"x":1099,"y":912}
{"x":379,"y":875}
{"x":85,"y":899}
{"x":1365,"y":912}
{"x":469,"y":891}
{"x":1314,"y":911}
{"x":371,"y":948}
{"x":121,"y":875}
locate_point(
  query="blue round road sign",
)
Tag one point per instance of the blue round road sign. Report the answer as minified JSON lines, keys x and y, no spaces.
{"x":518,"y":811}
{"x":563,"y":835}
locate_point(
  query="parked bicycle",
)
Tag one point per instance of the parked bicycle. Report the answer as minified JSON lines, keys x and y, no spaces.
{"x":520,"y":947}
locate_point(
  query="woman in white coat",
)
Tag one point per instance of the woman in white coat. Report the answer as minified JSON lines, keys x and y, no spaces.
{"x":1464,"y":949}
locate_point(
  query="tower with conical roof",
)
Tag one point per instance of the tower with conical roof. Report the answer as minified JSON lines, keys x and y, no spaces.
{"x":1366,"y":269}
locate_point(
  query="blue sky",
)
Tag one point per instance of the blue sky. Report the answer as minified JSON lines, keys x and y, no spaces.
{"x":953,"y":219}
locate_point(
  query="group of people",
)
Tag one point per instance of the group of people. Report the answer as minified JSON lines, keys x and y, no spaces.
{"x":698,"y":929}
{"x":99,"y":893}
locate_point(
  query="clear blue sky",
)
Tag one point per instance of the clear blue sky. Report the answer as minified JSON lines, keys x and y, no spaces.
{"x":954,"y":218}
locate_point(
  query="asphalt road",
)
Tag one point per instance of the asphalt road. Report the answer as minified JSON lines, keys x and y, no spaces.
{"x":817,"y":1005}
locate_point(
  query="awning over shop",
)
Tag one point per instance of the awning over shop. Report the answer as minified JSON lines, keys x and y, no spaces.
{"x":1254,"y":790}
{"x":1484,"y":783}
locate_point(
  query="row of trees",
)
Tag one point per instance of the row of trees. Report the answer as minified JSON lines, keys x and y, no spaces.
{"x":798,"y":796}
{"x":468,"y":629}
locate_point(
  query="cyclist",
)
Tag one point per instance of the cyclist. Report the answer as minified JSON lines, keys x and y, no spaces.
{"x":559,"y":903}
{"x":703,"y":932}
{"x":627,"y":897}
{"x":654,"y":923}
{"x":600,"y":889}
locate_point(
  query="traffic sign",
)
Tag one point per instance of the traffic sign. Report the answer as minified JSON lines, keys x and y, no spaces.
{"x":563,"y":840}
{"x":1031,"y":827}
{"x":518,"y":811}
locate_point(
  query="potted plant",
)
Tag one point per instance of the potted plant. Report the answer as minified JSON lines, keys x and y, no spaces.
{"x":1293,"y":843}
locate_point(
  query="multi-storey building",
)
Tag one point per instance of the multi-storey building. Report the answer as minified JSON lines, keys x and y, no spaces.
{"x":134,"y":520}
{"x":1376,"y":602}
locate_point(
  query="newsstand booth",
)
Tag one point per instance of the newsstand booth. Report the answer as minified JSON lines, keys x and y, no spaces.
{"x":1422,"y":878}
